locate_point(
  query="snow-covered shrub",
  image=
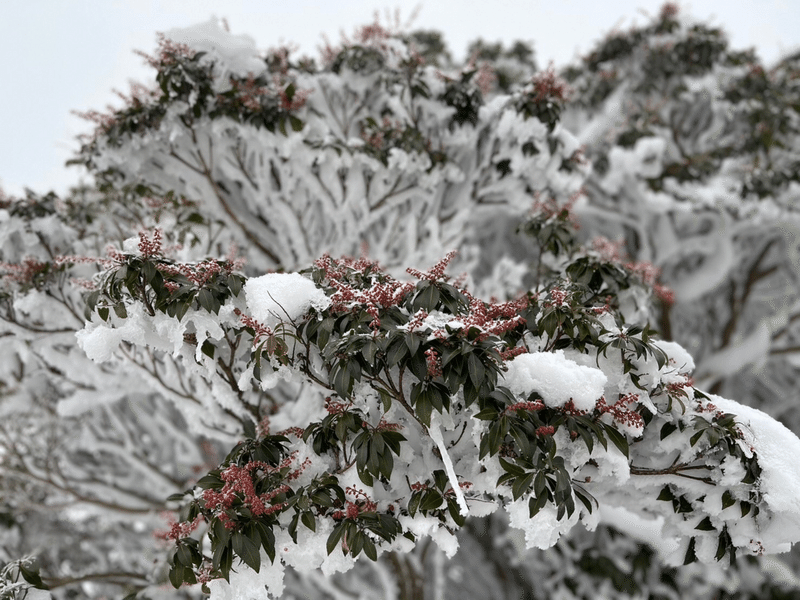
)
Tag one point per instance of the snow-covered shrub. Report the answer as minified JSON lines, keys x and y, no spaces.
{"x":368,"y":412}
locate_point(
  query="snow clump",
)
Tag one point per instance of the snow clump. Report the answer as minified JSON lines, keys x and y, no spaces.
{"x":556,"y":378}
{"x":280,"y":297}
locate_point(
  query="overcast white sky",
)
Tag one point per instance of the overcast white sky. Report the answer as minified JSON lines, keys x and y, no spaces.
{"x":62,"y":55}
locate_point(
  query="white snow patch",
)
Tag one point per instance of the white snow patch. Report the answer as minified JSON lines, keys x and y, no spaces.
{"x":436,"y":435}
{"x":237,"y":53}
{"x":556,"y":378}
{"x":543,"y":530}
{"x":246,"y":584}
{"x":677,"y":354}
{"x":99,"y":343}
{"x":281,"y":297}
{"x":777,"y":450}
{"x":647,"y":530}
{"x":432,"y":527}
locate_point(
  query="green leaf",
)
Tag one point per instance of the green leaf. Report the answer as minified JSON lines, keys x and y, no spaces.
{"x":618,"y":439}
{"x":32,"y":577}
{"x":413,"y":503}
{"x":424,"y":409}
{"x":515,"y":470}
{"x":690,"y":553}
{"x":705,"y":525}
{"x":667,"y":429}
{"x":356,"y":543}
{"x":307,"y":518}
{"x":335,"y":537}
{"x":247,"y":550}
{"x":727,"y":500}
{"x":248,"y":426}
{"x":427,"y":298}
{"x":586,"y":499}
{"x":412,"y":341}
{"x":694,"y":439}
{"x":207,"y":301}
{"x":440,"y":479}
{"x":476,"y":370}
{"x":431,"y":500}
{"x":176,"y":576}
{"x":535,"y":504}
{"x":267,"y":539}
{"x":395,"y":353}
{"x":369,"y":549}
{"x":521,"y":485}
{"x":487,"y":414}
{"x":665,"y":494}
{"x":183,"y":555}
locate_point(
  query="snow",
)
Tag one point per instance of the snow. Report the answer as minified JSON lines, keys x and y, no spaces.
{"x":556,"y":378}
{"x":436,"y":435}
{"x":238,"y":53}
{"x":643,"y":160}
{"x":246,"y":584}
{"x":646,"y":529}
{"x":678,"y":355}
{"x":99,"y":343}
{"x":543,"y":530}
{"x":431,"y":527}
{"x":280,"y":297}
{"x":777,"y":449}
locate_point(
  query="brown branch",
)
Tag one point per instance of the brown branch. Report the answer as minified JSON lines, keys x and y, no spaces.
{"x":674,"y":469}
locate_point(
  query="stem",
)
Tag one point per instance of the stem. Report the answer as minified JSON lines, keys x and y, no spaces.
{"x":674,"y":469}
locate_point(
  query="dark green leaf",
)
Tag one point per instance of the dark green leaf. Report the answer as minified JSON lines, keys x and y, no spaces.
{"x":308,"y":520}
{"x":618,"y":439}
{"x":247,"y":550}
{"x":705,"y":525}
{"x":335,"y":536}
{"x":727,"y":500}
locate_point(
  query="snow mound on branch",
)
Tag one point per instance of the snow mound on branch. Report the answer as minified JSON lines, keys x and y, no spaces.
{"x":543,"y":530}
{"x":678,"y":355}
{"x":235,"y":53}
{"x":777,"y":449}
{"x":280,"y":297}
{"x":556,"y":378}
{"x":246,"y":584}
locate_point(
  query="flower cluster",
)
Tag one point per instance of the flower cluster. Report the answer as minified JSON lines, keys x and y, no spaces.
{"x":150,"y":247}
{"x":239,"y":486}
{"x":22,"y":273}
{"x":169,"y":53}
{"x":434,"y":363}
{"x":336,"y":407}
{"x":551,"y":209}
{"x":180,"y":529}
{"x":623,"y":415}
{"x":383,"y":293}
{"x":361,"y":503}
{"x":493,"y":318}
{"x":260,"y":330}
{"x":436,"y":272}
{"x":532,"y":406}
{"x":199,"y":273}
{"x":548,"y":87}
